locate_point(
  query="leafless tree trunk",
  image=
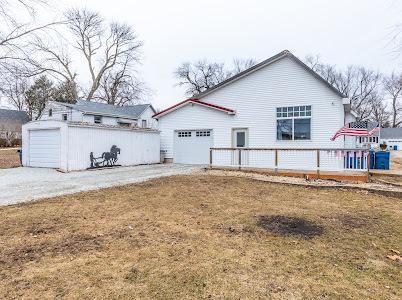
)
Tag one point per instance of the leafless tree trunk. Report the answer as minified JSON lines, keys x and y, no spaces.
{"x":393,"y":88}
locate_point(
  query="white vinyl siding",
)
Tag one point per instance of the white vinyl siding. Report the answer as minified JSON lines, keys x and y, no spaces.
{"x":58,"y":144}
{"x":255,"y":98}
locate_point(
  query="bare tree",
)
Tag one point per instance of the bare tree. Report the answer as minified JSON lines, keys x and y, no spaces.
{"x":104,"y":47}
{"x":359,"y":84}
{"x":201,"y":75}
{"x":379,"y":112}
{"x":393,"y":89}
{"x":121,"y":87}
{"x":53,"y":60}
{"x":14,"y":33}
{"x":14,"y":89}
{"x":240,"y":64}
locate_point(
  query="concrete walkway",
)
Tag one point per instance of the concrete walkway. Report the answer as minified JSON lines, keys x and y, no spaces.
{"x":25,"y":184}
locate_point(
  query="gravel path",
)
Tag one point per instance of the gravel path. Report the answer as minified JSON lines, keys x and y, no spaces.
{"x":25,"y":184}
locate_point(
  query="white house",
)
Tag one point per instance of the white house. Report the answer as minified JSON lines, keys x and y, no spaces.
{"x":278,"y":103}
{"x":99,"y":113}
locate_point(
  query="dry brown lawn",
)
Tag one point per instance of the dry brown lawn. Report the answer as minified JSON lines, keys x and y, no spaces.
{"x":9,"y":158}
{"x":202,"y":236}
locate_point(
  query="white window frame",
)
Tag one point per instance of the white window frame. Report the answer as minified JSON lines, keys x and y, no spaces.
{"x":283,"y":113}
{"x":143,"y":123}
{"x":64,"y":117}
{"x":50,"y":112}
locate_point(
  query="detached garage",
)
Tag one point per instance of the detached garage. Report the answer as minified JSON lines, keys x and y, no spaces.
{"x":70,"y":146}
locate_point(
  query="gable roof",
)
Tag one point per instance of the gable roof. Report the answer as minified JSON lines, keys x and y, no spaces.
{"x":391,"y":133}
{"x":281,"y":55}
{"x":129,"y":111}
{"x":194,"y":101}
{"x":14,"y":116}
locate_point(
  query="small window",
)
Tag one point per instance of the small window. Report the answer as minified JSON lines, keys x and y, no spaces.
{"x":203,"y":133}
{"x":64,"y":116}
{"x":184,"y":134}
{"x":144,"y":123}
{"x":98,"y":119}
{"x":50,"y":112}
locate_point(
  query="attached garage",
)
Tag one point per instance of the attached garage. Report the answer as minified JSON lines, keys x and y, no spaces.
{"x":71,"y":146}
{"x":44,"y":148}
{"x":192,"y":146}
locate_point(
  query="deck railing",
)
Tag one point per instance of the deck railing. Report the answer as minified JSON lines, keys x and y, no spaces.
{"x":307,"y":159}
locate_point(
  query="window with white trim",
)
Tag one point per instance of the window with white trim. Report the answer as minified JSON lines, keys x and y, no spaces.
{"x":144,"y":123}
{"x":184,"y":134}
{"x":64,"y":116}
{"x":293,"y":123}
{"x":50,"y":112}
{"x":203,"y":133}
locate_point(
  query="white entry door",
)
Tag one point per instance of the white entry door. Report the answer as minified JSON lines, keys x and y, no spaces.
{"x":240,"y":140}
{"x":44,"y":148}
{"x":192,"y":146}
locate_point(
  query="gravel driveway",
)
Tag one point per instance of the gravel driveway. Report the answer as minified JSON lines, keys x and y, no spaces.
{"x":25,"y":184}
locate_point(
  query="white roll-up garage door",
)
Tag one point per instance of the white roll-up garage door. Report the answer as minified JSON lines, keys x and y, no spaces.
{"x":44,"y":148}
{"x":192,"y":146}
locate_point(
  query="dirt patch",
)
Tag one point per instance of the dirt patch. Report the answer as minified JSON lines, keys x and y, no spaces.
{"x":69,"y":246}
{"x":290,"y":226}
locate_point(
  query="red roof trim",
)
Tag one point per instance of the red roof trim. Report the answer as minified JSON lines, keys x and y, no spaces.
{"x":228,"y":110}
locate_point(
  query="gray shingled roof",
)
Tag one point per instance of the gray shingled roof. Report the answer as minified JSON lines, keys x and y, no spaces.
{"x":132,"y":111}
{"x":15,"y":116}
{"x":391,"y":133}
{"x":283,"y":54}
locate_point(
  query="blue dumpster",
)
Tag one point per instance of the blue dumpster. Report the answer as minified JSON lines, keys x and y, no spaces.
{"x":20,"y":155}
{"x":382,"y":160}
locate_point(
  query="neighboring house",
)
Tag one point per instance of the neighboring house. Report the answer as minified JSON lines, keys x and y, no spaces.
{"x":392,"y":137}
{"x":99,"y":113}
{"x":278,"y":103}
{"x":11,"y":122}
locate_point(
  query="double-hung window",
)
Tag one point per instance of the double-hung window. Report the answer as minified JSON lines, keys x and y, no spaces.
{"x":293,"y":123}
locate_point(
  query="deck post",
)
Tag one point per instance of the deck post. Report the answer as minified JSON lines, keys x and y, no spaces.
{"x":276,"y":160}
{"x":368,"y":165}
{"x":318,"y":163}
{"x":239,"y":159}
{"x":210,"y":158}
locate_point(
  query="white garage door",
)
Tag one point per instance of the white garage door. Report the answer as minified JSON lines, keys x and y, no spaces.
{"x":44,"y":148}
{"x":192,"y":146}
